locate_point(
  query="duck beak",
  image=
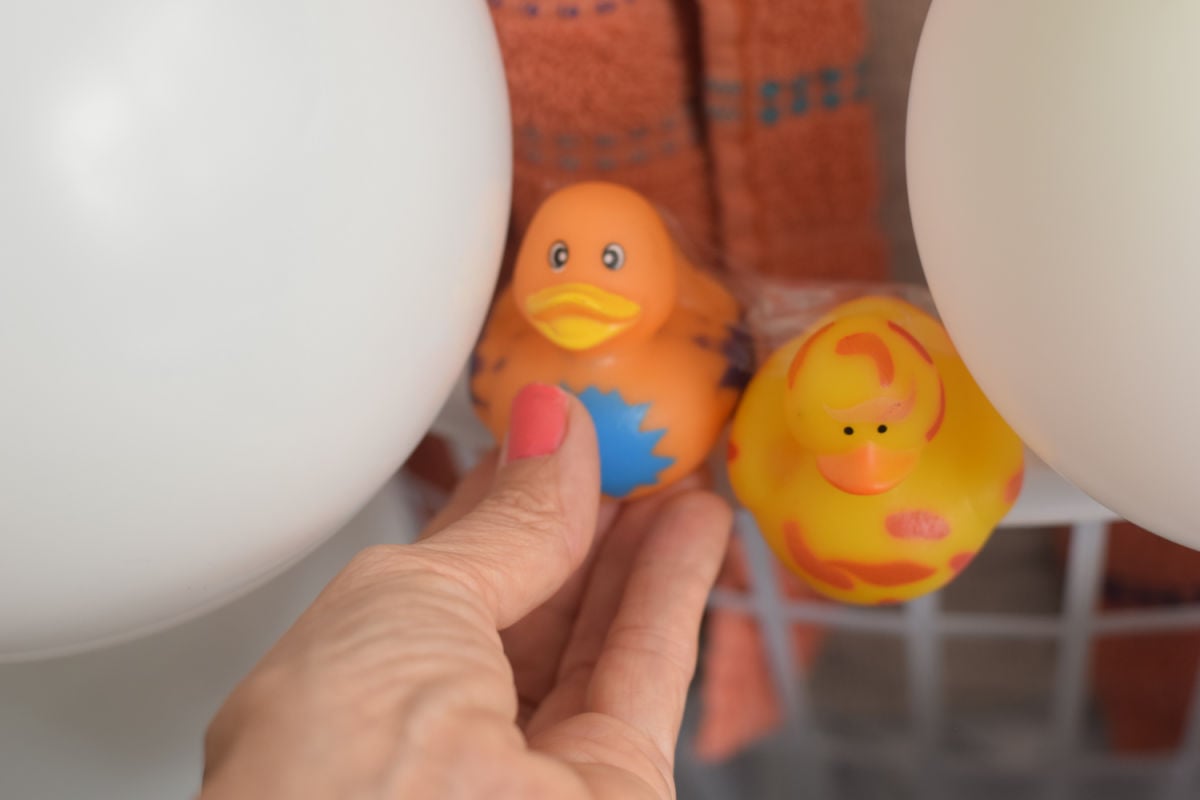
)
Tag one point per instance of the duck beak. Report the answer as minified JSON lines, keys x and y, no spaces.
{"x":869,"y":469}
{"x":578,"y":316}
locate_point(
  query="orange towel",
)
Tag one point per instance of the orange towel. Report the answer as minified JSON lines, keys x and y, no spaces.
{"x":606,"y":89}
{"x":793,"y":140}
{"x":745,"y":120}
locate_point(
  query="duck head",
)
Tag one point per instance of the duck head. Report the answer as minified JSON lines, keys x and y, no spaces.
{"x":865,"y":397}
{"x":597,"y":268}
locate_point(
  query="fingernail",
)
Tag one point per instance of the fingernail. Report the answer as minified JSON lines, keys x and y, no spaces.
{"x":537,"y":424}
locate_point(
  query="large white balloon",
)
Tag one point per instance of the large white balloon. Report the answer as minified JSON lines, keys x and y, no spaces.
{"x":245,"y":247}
{"x":1054,"y":174}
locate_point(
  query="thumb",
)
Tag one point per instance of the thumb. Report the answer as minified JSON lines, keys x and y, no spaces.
{"x":535,"y":526}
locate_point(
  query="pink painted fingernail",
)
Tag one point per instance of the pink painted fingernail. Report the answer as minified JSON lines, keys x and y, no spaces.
{"x":537,"y":424}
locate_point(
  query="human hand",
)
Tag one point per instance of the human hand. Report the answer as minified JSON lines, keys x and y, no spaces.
{"x":532,"y":644}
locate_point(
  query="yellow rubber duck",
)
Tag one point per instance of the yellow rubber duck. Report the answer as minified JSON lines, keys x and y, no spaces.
{"x":604,"y":304}
{"x":872,"y":462}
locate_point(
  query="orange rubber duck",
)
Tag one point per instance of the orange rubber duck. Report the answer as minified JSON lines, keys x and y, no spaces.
{"x":605,"y":305}
{"x":873,"y":463}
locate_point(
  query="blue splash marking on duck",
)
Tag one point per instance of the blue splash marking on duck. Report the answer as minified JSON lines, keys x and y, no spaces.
{"x":627,"y":458}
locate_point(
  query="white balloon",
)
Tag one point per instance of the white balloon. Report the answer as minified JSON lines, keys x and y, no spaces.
{"x":245,"y":248}
{"x":1054,"y":175}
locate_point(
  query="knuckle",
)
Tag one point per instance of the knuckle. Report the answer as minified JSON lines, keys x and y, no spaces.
{"x":526,"y":516}
{"x":474,"y":575}
{"x":673,"y":651}
{"x":412,"y":567}
{"x":378,"y":559}
{"x":442,"y":715}
{"x":524,"y":507}
{"x":578,"y":670}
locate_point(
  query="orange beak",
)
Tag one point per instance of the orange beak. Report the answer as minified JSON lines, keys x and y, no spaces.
{"x":869,"y":469}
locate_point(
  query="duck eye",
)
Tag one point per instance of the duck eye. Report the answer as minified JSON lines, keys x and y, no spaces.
{"x":883,"y":428}
{"x":558,"y":256}
{"x":614,"y":257}
{"x":848,"y":430}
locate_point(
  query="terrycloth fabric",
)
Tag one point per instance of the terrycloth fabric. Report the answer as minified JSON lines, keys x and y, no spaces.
{"x":606,"y":89}
{"x":746,"y":121}
{"x":793,"y":142}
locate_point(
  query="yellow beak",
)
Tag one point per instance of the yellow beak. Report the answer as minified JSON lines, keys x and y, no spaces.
{"x":869,"y":469}
{"x":577,"y":316}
